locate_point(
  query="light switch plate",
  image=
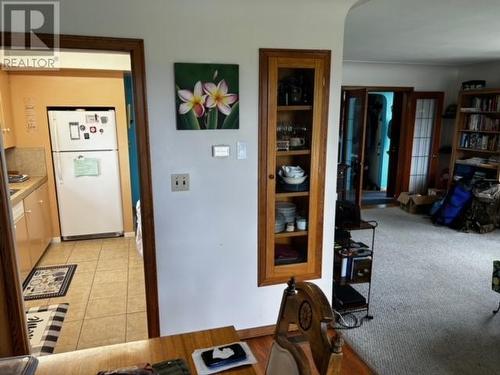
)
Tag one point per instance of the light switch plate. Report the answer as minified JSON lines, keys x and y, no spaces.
{"x":221,"y":151}
{"x":179,"y":182}
{"x":241,"y":150}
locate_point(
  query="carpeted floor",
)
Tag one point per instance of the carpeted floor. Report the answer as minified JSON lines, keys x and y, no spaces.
{"x":431,"y":299}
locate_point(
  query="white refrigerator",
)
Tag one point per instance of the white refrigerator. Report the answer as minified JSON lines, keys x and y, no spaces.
{"x":87,"y":175}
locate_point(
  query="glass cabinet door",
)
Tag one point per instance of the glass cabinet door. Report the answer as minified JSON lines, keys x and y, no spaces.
{"x":294,"y":141}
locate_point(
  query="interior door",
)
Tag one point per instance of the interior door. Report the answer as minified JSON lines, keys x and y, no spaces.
{"x":395,"y":134}
{"x":423,"y":140}
{"x":354,"y":109}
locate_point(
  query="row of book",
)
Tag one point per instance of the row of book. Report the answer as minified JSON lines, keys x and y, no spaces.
{"x":486,"y":104}
{"x":354,"y":261}
{"x":482,"y":122}
{"x":476,"y":141}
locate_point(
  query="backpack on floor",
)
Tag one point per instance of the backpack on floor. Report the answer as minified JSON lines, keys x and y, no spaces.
{"x":453,"y":207}
{"x":483,"y":214}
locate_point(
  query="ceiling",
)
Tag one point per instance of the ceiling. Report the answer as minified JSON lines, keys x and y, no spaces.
{"x":444,"y":32}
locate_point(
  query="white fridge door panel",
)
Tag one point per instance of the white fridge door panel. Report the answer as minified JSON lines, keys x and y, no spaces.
{"x":88,"y":204}
{"x":82,"y":130}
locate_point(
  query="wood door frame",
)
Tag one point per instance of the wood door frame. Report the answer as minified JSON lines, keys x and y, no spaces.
{"x":9,"y":269}
{"x":408,"y":139}
{"x":406,"y":91}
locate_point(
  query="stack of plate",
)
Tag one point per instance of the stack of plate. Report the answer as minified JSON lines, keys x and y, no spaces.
{"x":287,"y":209}
{"x":279,"y":223}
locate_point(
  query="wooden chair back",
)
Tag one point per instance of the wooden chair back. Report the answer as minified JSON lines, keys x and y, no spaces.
{"x":304,"y":305}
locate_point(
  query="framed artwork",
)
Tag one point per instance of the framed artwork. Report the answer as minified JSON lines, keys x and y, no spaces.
{"x":207,"y":96}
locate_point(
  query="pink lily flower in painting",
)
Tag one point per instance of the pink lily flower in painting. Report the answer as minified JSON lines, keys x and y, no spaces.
{"x":217,"y":96}
{"x":192,"y":100}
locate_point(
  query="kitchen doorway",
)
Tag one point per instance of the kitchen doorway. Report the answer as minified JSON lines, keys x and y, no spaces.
{"x":15,"y":313}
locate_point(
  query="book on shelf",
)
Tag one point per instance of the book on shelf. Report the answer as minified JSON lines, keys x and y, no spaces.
{"x":481,"y":122}
{"x":477,"y":141}
{"x":490,"y":103}
{"x":348,"y":265}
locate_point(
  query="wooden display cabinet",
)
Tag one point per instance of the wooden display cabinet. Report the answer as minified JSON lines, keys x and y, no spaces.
{"x":293,"y":114}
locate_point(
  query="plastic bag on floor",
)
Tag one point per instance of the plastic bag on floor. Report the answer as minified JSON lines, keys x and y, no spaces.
{"x":138,"y":232}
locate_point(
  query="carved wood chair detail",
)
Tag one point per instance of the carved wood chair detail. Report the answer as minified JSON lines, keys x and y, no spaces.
{"x":305,"y":306}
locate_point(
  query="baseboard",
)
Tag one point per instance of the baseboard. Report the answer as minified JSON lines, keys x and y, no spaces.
{"x":129,"y":234}
{"x":56,"y":240}
{"x":251,"y":333}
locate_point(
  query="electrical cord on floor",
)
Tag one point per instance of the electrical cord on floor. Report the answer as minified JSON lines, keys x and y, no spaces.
{"x":342,"y":321}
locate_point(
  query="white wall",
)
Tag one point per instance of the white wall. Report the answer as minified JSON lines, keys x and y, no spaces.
{"x":96,"y":60}
{"x":421,"y":77}
{"x":490,"y":72}
{"x":207,"y":237}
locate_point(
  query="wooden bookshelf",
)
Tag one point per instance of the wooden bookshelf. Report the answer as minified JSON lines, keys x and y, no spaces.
{"x":477,"y":131}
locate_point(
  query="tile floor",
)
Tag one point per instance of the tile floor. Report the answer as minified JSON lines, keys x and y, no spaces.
{"x":107,"y":301}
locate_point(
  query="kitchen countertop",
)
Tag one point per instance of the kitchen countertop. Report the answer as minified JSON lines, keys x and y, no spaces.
{"x":25,"y":188}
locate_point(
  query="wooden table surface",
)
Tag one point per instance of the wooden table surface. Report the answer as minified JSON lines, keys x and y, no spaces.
{"x":91,"y":361}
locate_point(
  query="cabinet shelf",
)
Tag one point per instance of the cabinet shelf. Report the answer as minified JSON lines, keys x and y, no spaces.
{"x":485,"y":166}
{"x":355,"y":308}
{"x":292,"y":194}
{"x":297,"y":233}
{"x":293,"y":152}
{"x":478,"y":150}
{"x":478,"y":112}
{"x":282,"y":108}
{"x":345,"y":281}
{"x":480,"y":131}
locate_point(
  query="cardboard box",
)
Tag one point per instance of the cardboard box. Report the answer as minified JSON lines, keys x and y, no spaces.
{"x":416,"y":203}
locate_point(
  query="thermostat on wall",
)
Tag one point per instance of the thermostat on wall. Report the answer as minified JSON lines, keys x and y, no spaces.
{"x":220,"y":151}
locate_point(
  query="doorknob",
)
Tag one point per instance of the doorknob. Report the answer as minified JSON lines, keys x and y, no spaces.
{"x":271,"y":177}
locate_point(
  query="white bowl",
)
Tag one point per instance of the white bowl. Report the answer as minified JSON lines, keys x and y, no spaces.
{"x":294,"y":180}
{"x":286,"y":171}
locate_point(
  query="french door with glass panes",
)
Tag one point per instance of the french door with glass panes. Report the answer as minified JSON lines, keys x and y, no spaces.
{"x":423,"y":141}
{"x":352,"y":140}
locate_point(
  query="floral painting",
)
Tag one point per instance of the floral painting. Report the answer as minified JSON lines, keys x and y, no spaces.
{"x":206,"y":96}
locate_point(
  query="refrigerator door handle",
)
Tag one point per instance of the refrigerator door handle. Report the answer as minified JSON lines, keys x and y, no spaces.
{"x":57,"y":159}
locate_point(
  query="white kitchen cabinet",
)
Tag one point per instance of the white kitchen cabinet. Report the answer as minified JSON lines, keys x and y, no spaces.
{"x":6,"y":120}
{"x":37,"y":212}
{"x":22,"y":241}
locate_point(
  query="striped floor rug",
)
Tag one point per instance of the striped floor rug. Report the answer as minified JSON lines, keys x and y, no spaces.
{"x":44,"y":326}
